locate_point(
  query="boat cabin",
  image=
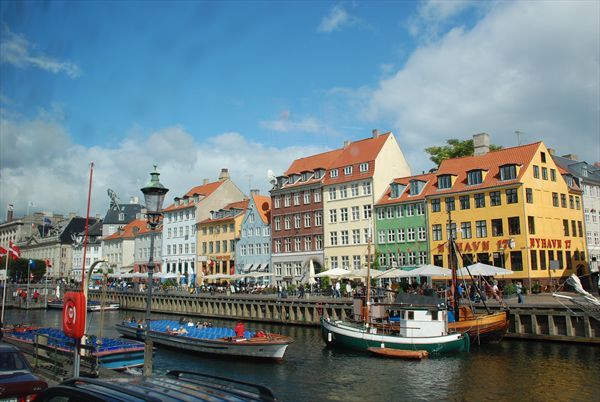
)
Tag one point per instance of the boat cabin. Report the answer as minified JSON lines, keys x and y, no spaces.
{"x":421,"y":322}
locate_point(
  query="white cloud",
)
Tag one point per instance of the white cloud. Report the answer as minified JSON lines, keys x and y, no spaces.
{"x":18,"y":51}
{"x":336,"y":20}
{"x":433,"y":16}
{"x":285,"y":123}
{"x":40,"y":163}
{"x":527,"y":66}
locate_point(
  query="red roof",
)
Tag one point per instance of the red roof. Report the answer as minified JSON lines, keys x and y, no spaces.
{"x":311,"y":163}
{"x":243,"y":205}
{"x":490,"y":163}
{"x":134,"y":228}
{"x":263,"y":206}
{"x":203,"y":190}
{"x":405,"y":196}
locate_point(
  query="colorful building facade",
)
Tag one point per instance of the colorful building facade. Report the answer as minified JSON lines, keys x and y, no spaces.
{"x":253,"y":251}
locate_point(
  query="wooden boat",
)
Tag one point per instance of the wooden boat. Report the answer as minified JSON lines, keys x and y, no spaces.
{"x":92,"y":305}
{"x":213,"y":340}
{"x":399,"y":354}
{"x":116,"y":354}
{"x":481,"y":327}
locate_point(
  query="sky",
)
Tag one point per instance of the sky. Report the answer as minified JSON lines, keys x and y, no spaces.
{"x":197,"y":86}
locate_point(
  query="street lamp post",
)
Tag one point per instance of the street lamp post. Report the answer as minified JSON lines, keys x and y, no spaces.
{"x":154,"y":195}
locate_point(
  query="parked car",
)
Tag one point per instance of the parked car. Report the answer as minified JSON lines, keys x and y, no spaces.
{"x":17,"y":381}
{"x":172,"y":387}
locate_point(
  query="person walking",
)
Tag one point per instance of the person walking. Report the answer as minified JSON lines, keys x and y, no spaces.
{"x":520,"y":293}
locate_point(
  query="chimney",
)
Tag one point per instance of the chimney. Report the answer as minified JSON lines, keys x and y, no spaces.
{"x":597,"y":164}
{"x":375,"y":132}
{"x":9,"y":213}
{"x":134,"y":200}
{"x":254,"y":192}
{"x":481,"y":144}
{"x":346,"y":143}
{"x":572,"y":157}
{"x":204,"y":182}
{"x":551,"y":151}
{"x":224,"y":174}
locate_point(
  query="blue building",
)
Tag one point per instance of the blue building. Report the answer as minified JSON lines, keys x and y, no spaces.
{"x":253,"y":253}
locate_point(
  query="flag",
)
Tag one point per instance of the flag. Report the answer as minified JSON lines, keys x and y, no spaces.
{"x":46,"y":221}
{"x":48,"y":263}
{"x":3,"y":251}
{"x":32,"y":263}
{"x":14,"y":250}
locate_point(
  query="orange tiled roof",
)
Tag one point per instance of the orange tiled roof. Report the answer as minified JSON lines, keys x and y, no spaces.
{"x":313,"y":162}
{"x":490,"y":162}
{"x":428,"y":178}
{"x":134,"y":228}
{"x":263,"y":206}
{"x":205,"y":190}
{"x":243,"y":205}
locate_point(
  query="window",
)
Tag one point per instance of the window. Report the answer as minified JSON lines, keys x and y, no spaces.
{"x":543,"y":259}
{"x":318,"y":242}
{"x":479,"y":199}
{"x":566,"y":227}
{"x":529,"y":195}
{"x":356,"y":236}
{"x":422,"y":233}
{"x":555,"y":199}
{"x":364,"y":167}
{"x":451,"y":230}
{"x":511,"y":196}
{"x":399,"y":211}
{"x":533,"y":257}
{"x":343,"y":214}
{"x":333,"y":216}
{"x":531,"y":224}
{"x":420,"y":209}
{"x":332,"y":194}
{"x":516,"y":261}
{"x":495,"y":198}
{"x":435,"y":205}
{"x":288,"y":222}
{"x":444,"y":181}
{"x":297,"y":221}
{"x":333,"y":173}
{"x":297,"y":243}
{"x":474,"y":177}
{"x":307,"y":197}
{"x":354,"y":189}
{"x":574,"y":228}
{"x":465,"y":202}
{"x":287,"y":245}
{"x":317,"y":196}
{"x":545,"y":173}
{"x":343,"y":192}
{"x":307,"y":220}
{"x":366,"y":211}
{"x":367,"y":188}
{"x":450,"y":204}
{"x":355,"y":213}
{"x":465,"y":228}
{"x":318,"y":218}
{"x":286,"y":200}
{"x":410,"y":234}
{"x":480,"y":229}
{"x":348,"y":170}
{"x":410,"y":210}
{"x":577,"y":204}
{"x":571,"y":203}
{"x":333,"y":238}
{"x":536,"y":171}
{"x":514,"y":225}
{"x":543,"y":157}
{"x":553,"y":174}
{"x":344,"y":237}
{"x":580,"y":228}
{"x":277,"y":223}
{"x":389,"y":211}
{"x":508,"y":172}
{"x":497,"y":227}
{"x":401,"y":237}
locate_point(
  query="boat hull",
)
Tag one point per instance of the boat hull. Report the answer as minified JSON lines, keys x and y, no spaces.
{"x":272,"y":346}
{"x":356,"y":337}
{"x":482,"y":327}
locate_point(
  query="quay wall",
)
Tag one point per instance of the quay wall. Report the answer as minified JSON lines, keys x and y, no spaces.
{"x":530,"y":321}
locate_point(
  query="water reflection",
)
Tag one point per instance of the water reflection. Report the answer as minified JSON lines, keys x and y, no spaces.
{"x":511,"y":370}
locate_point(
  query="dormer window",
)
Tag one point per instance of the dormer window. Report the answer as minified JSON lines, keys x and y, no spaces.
{"x":569,"y":180}
{"x":333,"y":173}
{"x":121,"y":216}
{"x":474,"y":177}
{"x":416,"y":186}
{"x":305,"y":176}
{"x":348,"y":170}
{"x":364,"y":167}
{"x":396,"y":190}
{"x":444,"y":181}
{"x":508,"y":172}
{"x":319,"y":173}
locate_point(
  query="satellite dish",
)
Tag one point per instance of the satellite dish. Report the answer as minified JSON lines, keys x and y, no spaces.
{"x":271,"y":176}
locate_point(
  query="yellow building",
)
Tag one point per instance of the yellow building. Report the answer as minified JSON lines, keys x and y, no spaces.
{"x":513,"y":208}
{"x":217,"y":237}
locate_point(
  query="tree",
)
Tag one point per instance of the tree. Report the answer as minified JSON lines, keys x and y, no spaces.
{"x":455,"y":149}
{"x":18,"y":269}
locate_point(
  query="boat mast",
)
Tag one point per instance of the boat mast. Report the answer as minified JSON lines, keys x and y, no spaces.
{"x":453,"y":266}
{"x":368,"y":298}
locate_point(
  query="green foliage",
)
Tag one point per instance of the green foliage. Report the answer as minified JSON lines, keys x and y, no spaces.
{"x":537,"y":287}
{"x":325,"y":283}
{"x":455,"y":149}
{"x":510,"y":289}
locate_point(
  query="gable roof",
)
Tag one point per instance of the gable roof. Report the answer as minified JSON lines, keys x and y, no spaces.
{"x":313,"y":162}
{"x":491,"y":162}
{"x":240,"y":205}
{"x":386,"y":199}
{"x":135,"y":228}
{"x":204,"y":190}
{"x":129,"y":211}
{"x":263,"y":207}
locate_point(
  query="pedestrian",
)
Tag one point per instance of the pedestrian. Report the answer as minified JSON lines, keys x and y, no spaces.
{"x":520,"y":293}
{"x":348,"y":289}
{"x":239,"y":329}
{"x":301,"y":291}
{"x":337,"y":289}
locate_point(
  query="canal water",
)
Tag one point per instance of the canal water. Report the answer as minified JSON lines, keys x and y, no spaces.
{"x":509,"y":371}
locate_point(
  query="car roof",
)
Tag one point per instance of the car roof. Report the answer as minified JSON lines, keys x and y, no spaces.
{"x":7,"y":347}
{"x":174,"y":386}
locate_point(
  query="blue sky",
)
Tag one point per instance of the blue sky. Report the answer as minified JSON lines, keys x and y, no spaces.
{"x":198,"y":86}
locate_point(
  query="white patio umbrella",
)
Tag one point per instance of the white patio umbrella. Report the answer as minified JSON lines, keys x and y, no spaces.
{"x":335,"y":273}
{"x":483,"y":270}
{"x":425,"y":270}
{"x":362,"y":273}
{"x":311,"y":273}
{"x":390,"y":274}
